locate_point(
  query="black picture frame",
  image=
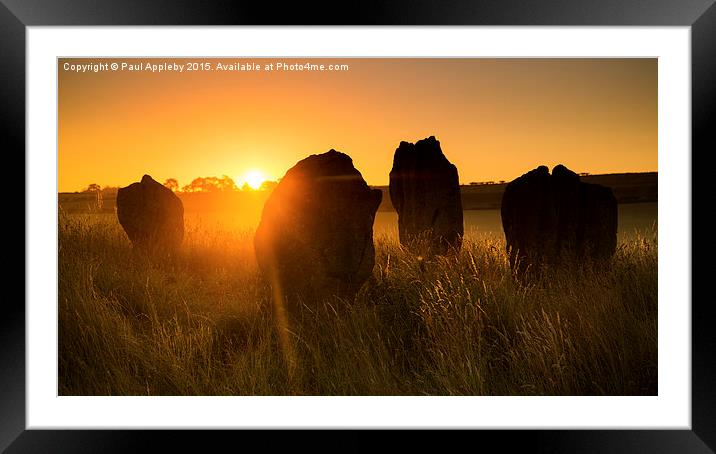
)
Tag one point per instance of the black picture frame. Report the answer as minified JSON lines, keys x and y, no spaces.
{"x":699,"y":15}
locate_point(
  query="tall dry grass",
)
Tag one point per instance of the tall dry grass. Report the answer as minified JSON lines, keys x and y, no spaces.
{"x":202,"y":324}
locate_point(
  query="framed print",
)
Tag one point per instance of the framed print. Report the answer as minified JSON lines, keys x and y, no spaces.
{"x":229,"y":226}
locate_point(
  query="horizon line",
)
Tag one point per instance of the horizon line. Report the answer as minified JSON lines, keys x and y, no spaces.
{"x":472,"y":183}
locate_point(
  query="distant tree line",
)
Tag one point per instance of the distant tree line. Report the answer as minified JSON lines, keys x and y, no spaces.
{"x":204,"y":184}
{"x":201,"y":184}
{"x":215,"y":184}
{"x":478,"y":183}
{"x":94,"y":188}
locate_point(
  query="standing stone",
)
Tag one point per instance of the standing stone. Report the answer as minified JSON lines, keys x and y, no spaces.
{"x":550,"y":218}
{"x":425,"y":191}
{"x":151,"y":215}
{"x":315,"y":236}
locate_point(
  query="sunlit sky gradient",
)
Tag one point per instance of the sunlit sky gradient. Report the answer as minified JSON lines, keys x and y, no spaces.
{"x":495,"y":118}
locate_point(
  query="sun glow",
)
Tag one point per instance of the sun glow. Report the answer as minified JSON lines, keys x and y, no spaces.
{"x":254,"y":178}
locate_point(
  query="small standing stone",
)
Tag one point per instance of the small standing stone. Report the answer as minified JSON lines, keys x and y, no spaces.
{"x":151,"y":215}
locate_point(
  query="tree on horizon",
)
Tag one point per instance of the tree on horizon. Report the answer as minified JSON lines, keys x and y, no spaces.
{"x":93,"y":187}
{"x":172,"y":184}
{"x":211,"y":184}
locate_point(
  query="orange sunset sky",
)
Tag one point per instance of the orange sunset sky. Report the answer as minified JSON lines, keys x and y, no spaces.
{"x":495,"y":118}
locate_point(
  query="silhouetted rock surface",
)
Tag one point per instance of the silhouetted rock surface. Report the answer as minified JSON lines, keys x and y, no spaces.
{"x":151,"y":215}
{"x":425,"y":191}
{"x":316,"y":230}
{"x":597,"y":232}
{"x":547,"y":218}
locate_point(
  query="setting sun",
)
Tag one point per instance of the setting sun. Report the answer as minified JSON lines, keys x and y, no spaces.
{"x":254,"y":178}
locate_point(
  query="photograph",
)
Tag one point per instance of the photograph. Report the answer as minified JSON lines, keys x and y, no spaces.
{"x":357,"y":226}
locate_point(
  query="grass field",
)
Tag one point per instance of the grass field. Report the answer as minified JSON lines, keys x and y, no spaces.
{"x":202,"y":323}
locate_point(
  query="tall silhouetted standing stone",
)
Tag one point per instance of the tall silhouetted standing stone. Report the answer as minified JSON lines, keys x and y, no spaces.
{"x":151,"y":215}
{"x":547,"y":218}
{"x":425,"y":191}
{"x":315,"y":236}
